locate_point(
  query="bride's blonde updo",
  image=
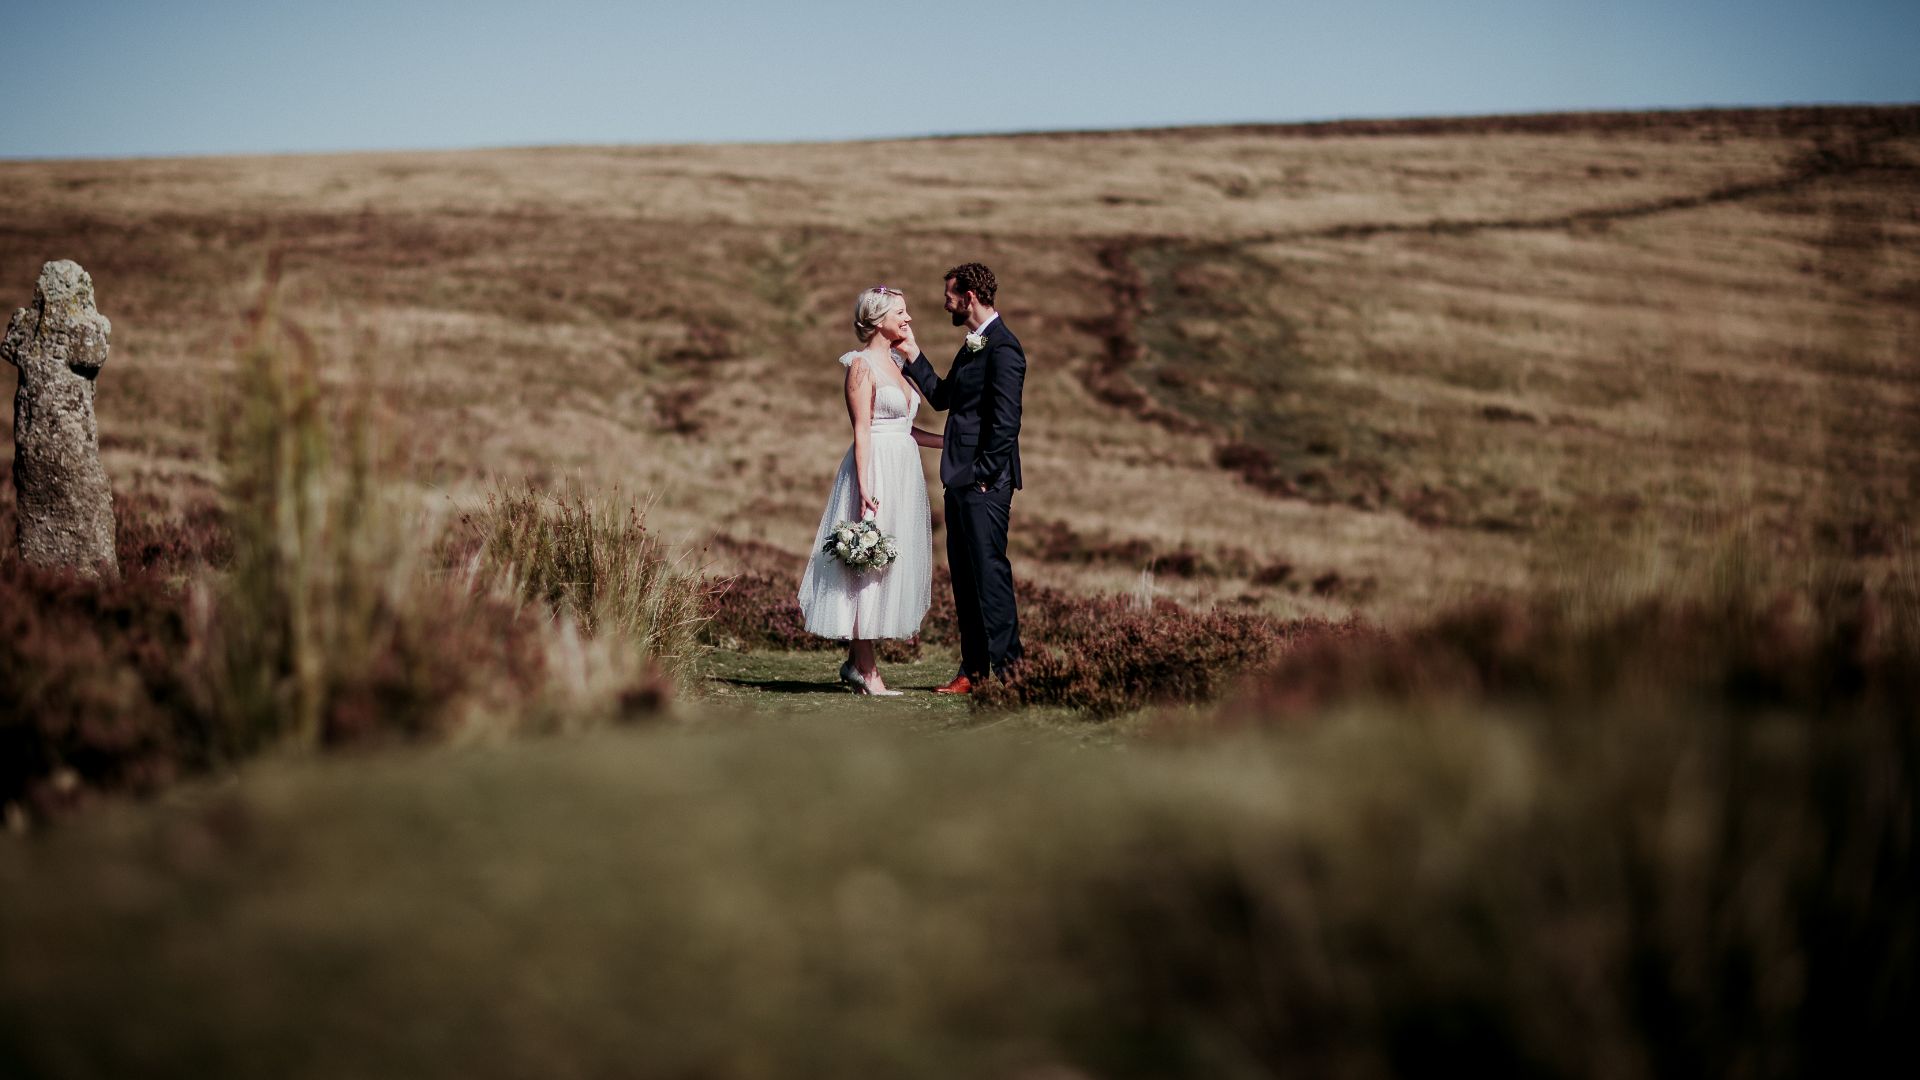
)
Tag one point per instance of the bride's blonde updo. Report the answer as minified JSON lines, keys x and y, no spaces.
{"x":873,"y":306}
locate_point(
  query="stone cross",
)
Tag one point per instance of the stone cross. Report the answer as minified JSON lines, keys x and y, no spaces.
{"x":61,"y":498}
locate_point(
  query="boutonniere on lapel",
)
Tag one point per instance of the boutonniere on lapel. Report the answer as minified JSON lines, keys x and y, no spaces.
{"x":976,"y":342}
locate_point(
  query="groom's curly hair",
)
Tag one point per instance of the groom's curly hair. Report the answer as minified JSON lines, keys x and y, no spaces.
{"x":974,"y":278}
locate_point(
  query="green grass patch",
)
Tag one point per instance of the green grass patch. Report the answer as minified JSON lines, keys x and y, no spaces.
{"x":801,"y":690}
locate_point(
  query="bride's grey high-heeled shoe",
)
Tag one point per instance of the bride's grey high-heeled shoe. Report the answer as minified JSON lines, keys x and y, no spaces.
{"x":854,"y":681}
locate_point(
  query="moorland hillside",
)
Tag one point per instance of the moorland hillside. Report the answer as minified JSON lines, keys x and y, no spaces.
{"x":1305,"y":369}
{"x":1296,"y":372}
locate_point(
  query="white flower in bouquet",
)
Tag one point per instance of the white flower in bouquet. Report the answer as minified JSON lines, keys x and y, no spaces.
{"x":861,"y":545}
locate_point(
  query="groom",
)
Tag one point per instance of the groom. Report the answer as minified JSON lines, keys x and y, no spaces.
{"x":980,"y":469}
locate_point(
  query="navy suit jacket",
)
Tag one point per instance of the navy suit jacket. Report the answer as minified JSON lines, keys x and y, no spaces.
{"x":981,"y":397}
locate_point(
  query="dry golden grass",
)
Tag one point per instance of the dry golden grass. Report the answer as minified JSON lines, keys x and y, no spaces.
{"x":1499,"y":352}
{"x":1581,"y":360}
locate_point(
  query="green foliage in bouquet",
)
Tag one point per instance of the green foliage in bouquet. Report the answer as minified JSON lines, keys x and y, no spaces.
{"x":861,"y":546}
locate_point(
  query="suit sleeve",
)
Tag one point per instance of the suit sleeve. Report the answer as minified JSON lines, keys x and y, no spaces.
{"x":1006,"y":375}
{"x":938,"y":392}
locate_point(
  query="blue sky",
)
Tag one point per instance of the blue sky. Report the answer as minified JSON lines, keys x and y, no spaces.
{"x":115,"y":77}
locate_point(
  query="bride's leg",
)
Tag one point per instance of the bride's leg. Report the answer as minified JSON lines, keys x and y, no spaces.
{"x":867,"y":666}
{"x":859,"y":653}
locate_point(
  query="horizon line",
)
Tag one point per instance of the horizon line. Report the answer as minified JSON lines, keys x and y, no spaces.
{"x":1249,"y":126}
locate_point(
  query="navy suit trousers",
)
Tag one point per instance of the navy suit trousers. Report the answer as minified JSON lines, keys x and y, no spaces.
{"x":982,"y":578}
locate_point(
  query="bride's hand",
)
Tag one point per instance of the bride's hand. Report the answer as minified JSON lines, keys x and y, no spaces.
{"x":869,"y":504}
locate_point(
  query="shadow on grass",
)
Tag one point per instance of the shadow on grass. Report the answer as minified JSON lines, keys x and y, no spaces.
{"x":801,"y":686}
{"x":785,"y":686}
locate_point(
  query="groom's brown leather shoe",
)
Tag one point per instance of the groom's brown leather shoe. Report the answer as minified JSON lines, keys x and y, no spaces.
{"x":959,"y":685}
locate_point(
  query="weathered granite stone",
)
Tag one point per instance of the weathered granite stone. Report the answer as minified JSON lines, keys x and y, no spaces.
{"x":62,"y":501}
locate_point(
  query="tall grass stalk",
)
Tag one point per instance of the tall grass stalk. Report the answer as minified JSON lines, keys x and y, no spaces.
{"x":323,"y":602}
{"x":590,"y":561}
{"x":1906,"y":586}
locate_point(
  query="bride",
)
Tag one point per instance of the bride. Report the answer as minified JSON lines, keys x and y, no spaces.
{"x":880,"y":478}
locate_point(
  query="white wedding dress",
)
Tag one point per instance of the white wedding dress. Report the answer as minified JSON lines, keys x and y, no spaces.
{"x":887,"y":603}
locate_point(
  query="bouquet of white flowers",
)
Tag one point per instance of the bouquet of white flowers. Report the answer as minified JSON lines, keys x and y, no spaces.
{"x":861,"y":545}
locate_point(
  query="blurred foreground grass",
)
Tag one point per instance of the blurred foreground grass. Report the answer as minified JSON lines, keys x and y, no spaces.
{"x":1377,"y":891}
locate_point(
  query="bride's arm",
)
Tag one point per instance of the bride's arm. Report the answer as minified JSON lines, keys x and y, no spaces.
{"x":860,"y":412}
{"x":929,"y":439}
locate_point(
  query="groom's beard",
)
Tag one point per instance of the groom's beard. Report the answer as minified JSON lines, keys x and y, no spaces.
{"x":960,"y":318}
